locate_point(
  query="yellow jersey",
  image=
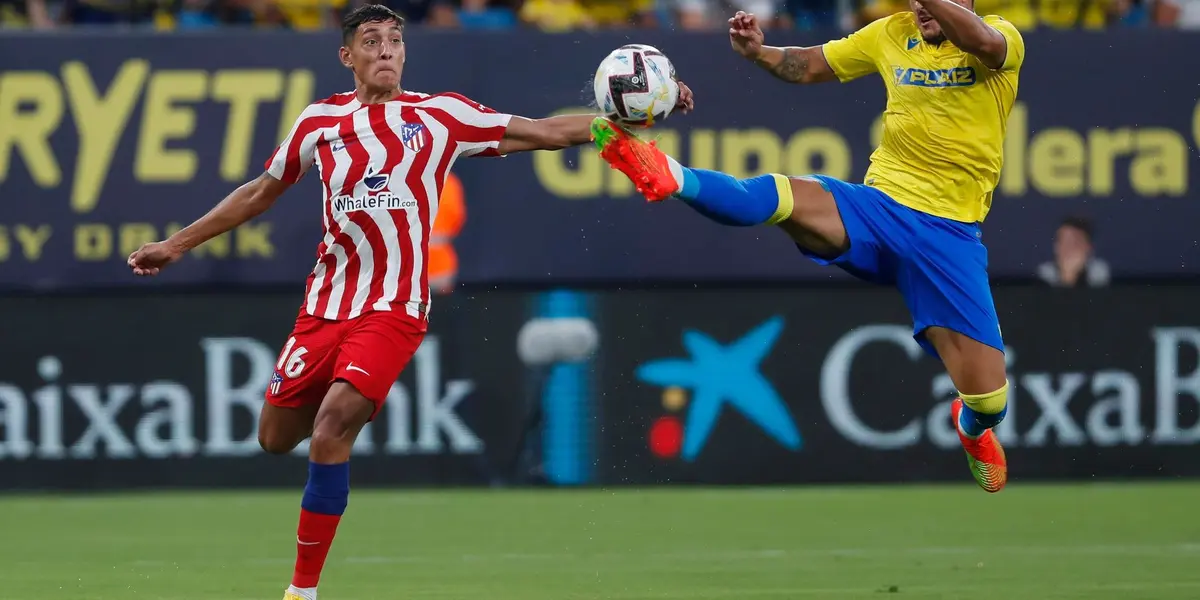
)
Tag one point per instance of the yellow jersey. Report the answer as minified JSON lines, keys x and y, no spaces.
{"x":308,"y":15}
{"x":943,"y":128}
{"x":616,"y":13}
{"x":554,"y":16}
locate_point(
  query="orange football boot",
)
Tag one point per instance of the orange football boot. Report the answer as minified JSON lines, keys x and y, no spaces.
{"x":642,"y":162}
{"x":984,"y":454}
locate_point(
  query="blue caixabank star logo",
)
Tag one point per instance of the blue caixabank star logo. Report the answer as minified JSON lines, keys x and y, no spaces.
{"x":717,"y":375}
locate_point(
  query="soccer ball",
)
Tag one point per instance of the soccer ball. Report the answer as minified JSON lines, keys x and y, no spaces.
{"x":635,"y":85}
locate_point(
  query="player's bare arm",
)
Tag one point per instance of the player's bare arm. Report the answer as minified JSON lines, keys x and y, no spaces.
{"x":551,"y":133}
{"x":246,"y":202}
{"x":564,"y":131}
{"x":793,"y":64}
{"x":963,"y":28}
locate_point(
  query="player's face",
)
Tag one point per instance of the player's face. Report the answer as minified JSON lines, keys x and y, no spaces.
{"x":376,"y":54}
{"x":931,"y":30}
{"x":1071,"y":241}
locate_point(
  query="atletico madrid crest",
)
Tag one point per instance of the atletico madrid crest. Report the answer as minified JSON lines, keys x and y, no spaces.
{"x":414,"y":136}
{"x":276,"y":382}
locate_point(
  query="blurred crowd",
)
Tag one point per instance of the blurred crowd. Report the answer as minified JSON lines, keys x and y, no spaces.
{"x":574,"y":15}
{"x":1075,"y":263}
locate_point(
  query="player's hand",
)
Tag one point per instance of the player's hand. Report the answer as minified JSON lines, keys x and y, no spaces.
{"x":745,"y":35}
{"x":153,"y":257}
{"x":686,"y":101}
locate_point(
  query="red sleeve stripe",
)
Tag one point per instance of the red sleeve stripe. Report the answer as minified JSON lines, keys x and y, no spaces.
{"x":468,"y":133}
{"x":341,"y":99}
{"x":469,"y":116}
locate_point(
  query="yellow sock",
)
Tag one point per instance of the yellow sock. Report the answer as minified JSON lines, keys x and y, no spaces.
{"x":783,"y":187}
{"x":992,"y":403}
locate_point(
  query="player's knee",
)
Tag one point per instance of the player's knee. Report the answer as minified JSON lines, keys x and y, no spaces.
{"x":330,"y":434}
{"x":274,"y":442}
{"x":340,"y":419}
{"x":332,"y":441}
{"x":281,"y":429}
{"x":814,"y":221}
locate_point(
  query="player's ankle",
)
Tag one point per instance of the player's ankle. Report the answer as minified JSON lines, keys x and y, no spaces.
{"x":974,"y":424}
{"x":305,"y":593}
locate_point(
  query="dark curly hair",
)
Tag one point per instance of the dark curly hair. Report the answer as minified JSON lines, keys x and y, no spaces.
{"x":368,"y":13}
{"x":1083,"y":224}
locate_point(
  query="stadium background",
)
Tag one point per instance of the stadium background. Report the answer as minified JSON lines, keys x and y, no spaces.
{"x":113,"y":387}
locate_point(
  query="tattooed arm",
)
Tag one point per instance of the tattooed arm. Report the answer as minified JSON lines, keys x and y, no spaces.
{"x":792,"y":64}
{"x":796,"y":65}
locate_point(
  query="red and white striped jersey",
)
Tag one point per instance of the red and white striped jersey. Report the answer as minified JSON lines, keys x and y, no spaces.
{"x":382,"y":168}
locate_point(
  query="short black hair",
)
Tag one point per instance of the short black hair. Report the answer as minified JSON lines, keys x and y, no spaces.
{"x":368,"y":13}
{"x":1081,"y":223}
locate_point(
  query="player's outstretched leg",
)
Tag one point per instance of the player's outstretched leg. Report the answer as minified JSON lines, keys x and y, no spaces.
{"x":725,"y":199}
{"x":343,"y":413}
{"x":975,"y":367}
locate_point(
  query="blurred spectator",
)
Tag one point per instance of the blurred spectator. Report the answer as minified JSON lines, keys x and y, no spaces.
{"x":812,"y":14}
{"x":1027,"y":15}
{"x":1184,"y":14}
{"x":1129,"y":13}
{"x":1076,"y":14}
{"x":573,"y":15}
{"x":431,"y":13}
{"x":873,"y":10}
{"x":301,"y":15}
{"x":196,"y":14}
{"x":206,"y":14}
{"x":486,"y":14}
{"x":621,"y":13}
{"x":556,"y":16}
{"x":712,"y":14}
{"x":20,"y":14}
{"x":1075,"y":263}
{"x":114,"y":12}
{"x":1021,"y":13}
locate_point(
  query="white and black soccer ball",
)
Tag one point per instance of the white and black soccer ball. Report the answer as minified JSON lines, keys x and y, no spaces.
{"x":635,"y":85}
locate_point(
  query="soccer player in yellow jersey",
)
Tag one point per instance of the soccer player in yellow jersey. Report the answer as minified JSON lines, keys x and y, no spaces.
{"x":951,"y":81}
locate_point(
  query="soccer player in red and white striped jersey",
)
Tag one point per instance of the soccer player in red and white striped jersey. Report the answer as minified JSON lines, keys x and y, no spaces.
{"x":383,"y":154}
{"x":383,"y":173}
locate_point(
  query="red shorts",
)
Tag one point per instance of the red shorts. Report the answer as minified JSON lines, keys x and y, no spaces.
{"x":368,"y":352}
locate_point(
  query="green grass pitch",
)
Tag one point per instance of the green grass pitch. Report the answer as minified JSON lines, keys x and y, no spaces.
{"x":1030,"y":542}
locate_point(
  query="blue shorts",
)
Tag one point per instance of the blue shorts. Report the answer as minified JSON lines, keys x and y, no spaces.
{"x":939,"y":265}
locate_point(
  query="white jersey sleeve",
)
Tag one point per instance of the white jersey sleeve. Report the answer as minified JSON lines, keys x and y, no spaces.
{"x":477,"y":129}
{"x":297,"y":152}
